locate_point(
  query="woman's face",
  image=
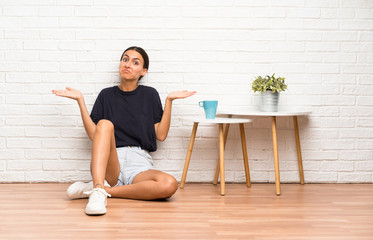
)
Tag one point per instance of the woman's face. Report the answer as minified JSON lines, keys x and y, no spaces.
{"x":131,"y":66}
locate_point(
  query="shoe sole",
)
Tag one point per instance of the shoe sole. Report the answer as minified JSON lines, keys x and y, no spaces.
{"x":95,"y":213}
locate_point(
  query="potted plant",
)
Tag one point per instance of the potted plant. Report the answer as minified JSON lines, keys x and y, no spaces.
{"x":269,"y":88}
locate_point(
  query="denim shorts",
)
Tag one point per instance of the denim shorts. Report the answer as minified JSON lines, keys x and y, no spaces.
{"x":132,"y":160}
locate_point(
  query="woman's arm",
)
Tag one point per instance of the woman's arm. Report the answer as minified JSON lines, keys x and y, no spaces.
{"x":89,"y":125}
{"x":162,"y":128}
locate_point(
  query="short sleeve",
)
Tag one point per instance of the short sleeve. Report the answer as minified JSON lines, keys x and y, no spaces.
{"x":97,"y":112}
{"x":157,"y":109}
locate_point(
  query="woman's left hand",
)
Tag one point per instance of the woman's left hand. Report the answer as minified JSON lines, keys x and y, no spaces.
{"x":180,"y":94}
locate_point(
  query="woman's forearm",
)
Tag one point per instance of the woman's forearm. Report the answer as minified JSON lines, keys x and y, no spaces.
{"x":164,"y":126}
{"x":89,"y":125}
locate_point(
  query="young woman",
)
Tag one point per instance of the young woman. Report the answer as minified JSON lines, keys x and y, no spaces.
{"x":124,"y":124}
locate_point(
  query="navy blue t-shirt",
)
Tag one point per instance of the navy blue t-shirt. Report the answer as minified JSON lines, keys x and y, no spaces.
{"x":133,"y":114}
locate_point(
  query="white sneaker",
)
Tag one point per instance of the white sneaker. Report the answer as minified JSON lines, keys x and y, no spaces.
{"x":77,"y":189}
{"x":97,"y":201}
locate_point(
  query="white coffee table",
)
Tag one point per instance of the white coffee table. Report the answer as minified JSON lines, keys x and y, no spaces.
{"x":222,"y":142}
{"x":282,"y":113}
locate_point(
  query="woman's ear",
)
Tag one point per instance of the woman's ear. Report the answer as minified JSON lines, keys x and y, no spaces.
{"x":144,"y":71}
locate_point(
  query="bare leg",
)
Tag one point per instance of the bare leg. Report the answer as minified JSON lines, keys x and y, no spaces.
{"x":104,"y":164}
{"x":148,"y":185}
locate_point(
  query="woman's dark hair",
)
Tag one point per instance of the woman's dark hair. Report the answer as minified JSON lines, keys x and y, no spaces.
{"x":143,"y":54}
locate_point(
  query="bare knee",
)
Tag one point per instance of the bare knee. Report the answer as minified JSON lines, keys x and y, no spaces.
{"x":105,"y":125}
{"x":168,"y":187}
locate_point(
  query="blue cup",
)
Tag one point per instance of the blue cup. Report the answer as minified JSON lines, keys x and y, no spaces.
{"x":210,"y":108}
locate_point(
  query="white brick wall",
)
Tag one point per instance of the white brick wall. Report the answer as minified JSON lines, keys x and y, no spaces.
{"x":323,"y":48}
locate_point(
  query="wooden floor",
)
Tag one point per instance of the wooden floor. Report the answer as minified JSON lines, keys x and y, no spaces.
{"x":311,"y":211}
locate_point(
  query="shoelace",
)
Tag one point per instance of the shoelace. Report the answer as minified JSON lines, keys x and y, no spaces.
{"x":100,"y":190}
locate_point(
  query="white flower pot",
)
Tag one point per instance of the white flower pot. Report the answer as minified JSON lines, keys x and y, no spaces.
{"x":269,"y":101}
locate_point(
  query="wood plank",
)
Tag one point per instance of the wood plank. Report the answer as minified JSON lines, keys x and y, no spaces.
{"x":312,"y":211}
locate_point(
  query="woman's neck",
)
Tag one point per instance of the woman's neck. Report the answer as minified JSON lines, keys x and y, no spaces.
{"x":128,"y":86}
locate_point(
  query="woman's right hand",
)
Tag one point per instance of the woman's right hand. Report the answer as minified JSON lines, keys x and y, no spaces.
{"x":69,"y":93}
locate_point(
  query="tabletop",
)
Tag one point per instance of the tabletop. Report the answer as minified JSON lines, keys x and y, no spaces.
{"x":216,"y":120}
{"x":254,"y":112}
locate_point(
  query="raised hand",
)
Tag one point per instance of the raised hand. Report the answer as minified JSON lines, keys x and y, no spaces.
{"x":180,"y":94}
{"x":69,"y":93}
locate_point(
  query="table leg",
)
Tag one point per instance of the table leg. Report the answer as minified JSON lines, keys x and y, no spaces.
{"x":189,"y":154}
{"x":275,"y":155}
{"x":244,"y":152}
{"x":221,"y":159}
{"x":226,"y":130}
{"x":300,"y":164}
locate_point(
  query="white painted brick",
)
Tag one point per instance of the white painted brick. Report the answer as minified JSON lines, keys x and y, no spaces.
{"x":338,"y":145}
{"x":11,"y":154}
{"x":20,"y":11}
{"x":366,"y":36}
{"x":73,"y":176}
{"x":41,"y":22}
{"x":12,"y":176}
{"x":23,"y":121}
{"x":41,"y":154}
{"x":76,"y":154}
{"x":65,"y":143}
{"x":303,"y":13}
{"x":2,"y":165}
{"x":363,"y":25}
{"x":12,"y":132}
{"x":337,"y":122}
{"x":41,"y":132}
{"x":339,"y":13}
{"x":357,"y":155}
{"x":366,"y":80}
{"x":355,"y":178}
{"x":324,"y":90}
{"x":23,"y":99}
{"x":366,"y":166}
{"x":52,"y":11}
{"x":325,"y":155}
{"x":366,"y":68}
{"x":365,"y":100}
{"x":340,"y":36}
{"x":65,"y":165}
{"x":338,"y":100}
{"x":339,"y":79}
{"x":75,"y":22}
{"x":57,"y":34}
{"x":365,"y":144}
{"x":338,"y":58}
{"x":321,"y":24}
{"x":22,"y":56}
{"x":61,"y":56}
{"x":22,"y":77}
{"x":19,"y":165}
{"x":356,"y":47}
{"x":10,"y":22}
{"x":357,"y":90}
{"x":21,"y":34}
{"x":337,"y":166}
{"x":320,"y":177}
{"x":77,"y":67}
{"x":356,"y":112}
{"x":41,"y":67}
{"x":364,"y":123}
{"x":22,"y":143}
{"x":43,"y":176}
{"x":364,"y":13}
{"x":322,"y":3}
{"x":365,"y":58}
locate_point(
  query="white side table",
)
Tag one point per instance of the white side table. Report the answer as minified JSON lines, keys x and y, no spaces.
{"x":222,"y":140}
{"x":273,"y":115}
